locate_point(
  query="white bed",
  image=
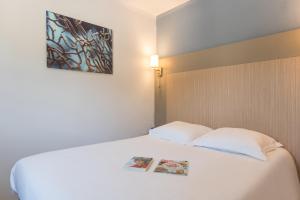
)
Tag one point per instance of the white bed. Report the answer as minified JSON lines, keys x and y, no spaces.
{"x":96,"y":172}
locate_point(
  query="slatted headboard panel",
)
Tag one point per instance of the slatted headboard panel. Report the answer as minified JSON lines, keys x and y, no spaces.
{"x":262,"y":96}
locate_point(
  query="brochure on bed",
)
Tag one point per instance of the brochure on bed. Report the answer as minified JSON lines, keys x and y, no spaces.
{"x":139,"y":164}
{"x":173,"y":167}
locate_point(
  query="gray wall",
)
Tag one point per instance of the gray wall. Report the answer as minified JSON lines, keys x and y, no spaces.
{"x":45,"y":109}
{"x":202,"y":24}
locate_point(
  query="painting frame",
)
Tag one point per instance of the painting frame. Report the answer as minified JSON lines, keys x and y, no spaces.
{"x":77,"y":45}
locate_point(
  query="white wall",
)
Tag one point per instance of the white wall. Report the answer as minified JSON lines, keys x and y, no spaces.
{"x":44,"y":109}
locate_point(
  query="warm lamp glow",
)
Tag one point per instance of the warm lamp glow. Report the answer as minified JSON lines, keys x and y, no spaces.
{"x":154,"y":62}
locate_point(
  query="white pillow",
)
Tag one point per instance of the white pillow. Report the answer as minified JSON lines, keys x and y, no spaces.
{"x":237,"y":140}
{"x":179,"y":132}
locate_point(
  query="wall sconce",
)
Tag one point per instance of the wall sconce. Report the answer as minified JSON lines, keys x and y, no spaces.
{"x":154,"y":64}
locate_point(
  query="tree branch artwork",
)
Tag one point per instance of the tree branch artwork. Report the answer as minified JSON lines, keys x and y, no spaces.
{"x":76,"y":45}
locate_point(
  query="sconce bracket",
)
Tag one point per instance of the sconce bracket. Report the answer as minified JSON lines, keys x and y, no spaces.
{"x":159,"y":71}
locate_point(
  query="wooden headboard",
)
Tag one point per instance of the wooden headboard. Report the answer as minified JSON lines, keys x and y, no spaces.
{"x":263,"y":95}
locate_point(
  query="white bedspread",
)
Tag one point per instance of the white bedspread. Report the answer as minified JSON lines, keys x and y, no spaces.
{"x":96,"y":173}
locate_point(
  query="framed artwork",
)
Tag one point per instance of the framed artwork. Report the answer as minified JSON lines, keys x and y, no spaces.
{"x":73,"y":44}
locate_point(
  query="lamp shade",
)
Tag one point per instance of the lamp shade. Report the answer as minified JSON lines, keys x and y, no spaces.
{"x":154,"y":61}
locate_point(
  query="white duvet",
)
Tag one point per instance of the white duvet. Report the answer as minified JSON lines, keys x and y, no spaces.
{"x":96,"y":172}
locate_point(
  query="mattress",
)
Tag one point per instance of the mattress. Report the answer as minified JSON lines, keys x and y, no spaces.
{"x":97,"y":172}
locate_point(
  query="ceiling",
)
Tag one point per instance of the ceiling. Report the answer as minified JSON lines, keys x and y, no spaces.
{"x":153,"y":7}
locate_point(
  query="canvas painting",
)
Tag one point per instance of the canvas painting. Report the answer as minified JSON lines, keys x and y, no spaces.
{"x":77,"y":45}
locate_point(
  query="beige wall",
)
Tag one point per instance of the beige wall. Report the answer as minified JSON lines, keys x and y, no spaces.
{"x":44,"y":109}
{"x":280,"y":45}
